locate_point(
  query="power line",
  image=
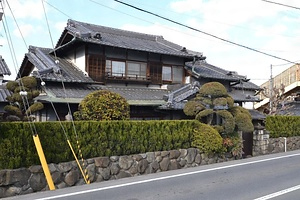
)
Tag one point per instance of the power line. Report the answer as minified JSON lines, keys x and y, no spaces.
{"x":294,"y":7}
{"x":197,"y":30}
{"x":58,"y":10}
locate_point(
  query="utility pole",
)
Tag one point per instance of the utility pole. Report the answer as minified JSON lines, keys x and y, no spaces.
{"x":271,"y":89}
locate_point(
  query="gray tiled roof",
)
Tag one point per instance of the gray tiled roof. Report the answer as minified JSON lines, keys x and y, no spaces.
{"x":3,"y":94}
{"x":247,"y":85}
{"x":64,"y":70}
{"x":4,"y":70}
{"x":204,"y":70}
{"x":255,"y":114}
{"x":238,"y":96}
{"x":292,"y":108}
{"x":135,"y":96}
{"x":124,"y":39}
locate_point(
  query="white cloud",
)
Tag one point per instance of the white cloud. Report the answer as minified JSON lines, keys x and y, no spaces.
{"x":26,"y":29}
{"x":25,"y":9}
{"x":59,"y":26}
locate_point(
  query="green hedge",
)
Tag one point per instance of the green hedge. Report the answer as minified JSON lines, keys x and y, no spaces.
{"x":103,"y":138}
{"x":283,"y":126}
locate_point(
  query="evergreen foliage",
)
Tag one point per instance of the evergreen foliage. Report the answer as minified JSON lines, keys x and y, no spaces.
{"x":96,"y":138}
{"x":207,"y":139}
{"x":21,"y":107}
{"x":103,"y":105}
{"x":283,"y":126}
{"x":218,"y":110}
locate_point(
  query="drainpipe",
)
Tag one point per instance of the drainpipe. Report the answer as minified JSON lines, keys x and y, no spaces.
{"x":195,"y":59}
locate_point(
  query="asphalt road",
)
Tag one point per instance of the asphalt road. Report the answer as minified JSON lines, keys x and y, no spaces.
{"x":275,"y":176}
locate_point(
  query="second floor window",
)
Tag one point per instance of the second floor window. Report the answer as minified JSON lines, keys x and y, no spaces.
{"x":134,"y":70}
{"x":172,"y":74}
{"x":115,"y":68}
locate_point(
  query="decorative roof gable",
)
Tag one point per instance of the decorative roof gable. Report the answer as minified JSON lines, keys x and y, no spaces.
{"x":52,"y":68}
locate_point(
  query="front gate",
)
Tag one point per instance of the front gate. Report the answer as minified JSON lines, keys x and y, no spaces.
{"x":247,"y":143}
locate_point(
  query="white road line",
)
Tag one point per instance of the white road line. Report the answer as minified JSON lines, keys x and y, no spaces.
{"x":166,"y":177}
{"x":276,"y":194}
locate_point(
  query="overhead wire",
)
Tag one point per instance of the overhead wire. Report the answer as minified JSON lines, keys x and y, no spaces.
{"x":133,"y":16}
{"x":84,"y":173}
{"x":20,"y":82}
{"x":58,"y":9}
{"x":281,"y":4}
{"x":203,"y":32}
{"x":207,"y":19}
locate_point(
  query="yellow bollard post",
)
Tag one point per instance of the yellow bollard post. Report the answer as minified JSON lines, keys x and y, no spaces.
{"x":46,"y":170}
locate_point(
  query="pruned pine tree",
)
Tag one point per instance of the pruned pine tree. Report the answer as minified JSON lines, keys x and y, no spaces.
{"x":21,"y":101}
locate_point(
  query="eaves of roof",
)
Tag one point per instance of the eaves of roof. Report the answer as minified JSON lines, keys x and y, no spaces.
{"x":123,"y":39}
{"x":4,"y":70}
{"x":3,"y":94}
{"x":134,"y":96}
{"x":58,"y":69}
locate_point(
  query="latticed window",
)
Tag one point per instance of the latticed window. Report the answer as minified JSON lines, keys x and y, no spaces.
{"x":96,"y":68}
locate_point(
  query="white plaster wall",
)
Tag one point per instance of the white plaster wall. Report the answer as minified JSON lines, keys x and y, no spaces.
{"x":78,"y":58}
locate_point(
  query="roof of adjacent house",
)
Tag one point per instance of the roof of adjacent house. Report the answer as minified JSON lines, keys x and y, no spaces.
{"x":52,"y":68}
{"x":134,"y":96}
{"x":4,"y":93}
{"x":4,"y":70}
{"x":202,"y":69}
{"x":255,"y":114}
{"x":123,"y":39}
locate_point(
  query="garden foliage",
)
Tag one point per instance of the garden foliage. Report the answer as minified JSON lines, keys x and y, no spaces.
{"x":103,"y":105}
{"x":21,"y":107}
{"x":283,"y":126}
{"x":101,"y":138}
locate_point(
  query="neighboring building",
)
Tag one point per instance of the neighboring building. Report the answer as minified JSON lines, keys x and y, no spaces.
{"x":144,"y":69}
{"x":287,"y":84}
{"x":4,"y":70}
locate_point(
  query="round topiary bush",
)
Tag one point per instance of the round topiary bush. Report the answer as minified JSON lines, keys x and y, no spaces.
{"x":207,"y":139}
{"x":243,"y":119}
{"x":220,"y":101}
{"x":230,"y":101}
{"x":103,"y":105}
{"x":228,"y":121}
{"x":192,"y":108}
{"x":204,"y":113}
{"x":213,"y":90}
{"x":243,"y":122}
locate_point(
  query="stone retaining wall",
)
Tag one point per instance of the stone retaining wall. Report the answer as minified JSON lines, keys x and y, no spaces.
{"x":32,"y":179}
{"x":262,"y":144}
{"x":277,"y":145}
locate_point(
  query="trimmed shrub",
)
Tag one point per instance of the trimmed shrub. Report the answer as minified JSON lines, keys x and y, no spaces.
{"x":228,"y":121}
{"x":243,"y":122}
{"x":207,"y":139}
{"x":283,"y":126}
{"x":243,"y":119}
{"x":230,"y":101}
{"x":192,"y":108}
{"x":221,"y":101}
{"x":205,"y":113}
{"x":96,"y":138}
{"x":103,"y":105}
{"x":213,"y":90}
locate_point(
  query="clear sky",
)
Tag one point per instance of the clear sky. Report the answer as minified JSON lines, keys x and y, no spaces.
{"x":266,"y":27}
